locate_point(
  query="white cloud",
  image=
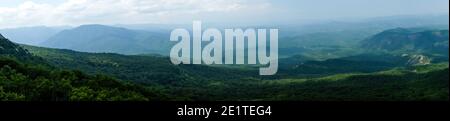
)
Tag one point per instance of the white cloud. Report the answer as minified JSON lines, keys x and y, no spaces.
{"x":76,"y":12}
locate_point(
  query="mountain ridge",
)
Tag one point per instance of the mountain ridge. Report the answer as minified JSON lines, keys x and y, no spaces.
{"x":102,"y":38}
{"x":409,"y":40}
{"x":8,"y":48}
{"x":31,"y":35}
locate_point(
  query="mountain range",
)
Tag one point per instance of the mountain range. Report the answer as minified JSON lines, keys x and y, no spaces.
{"x":153,"y":38}
{"x":142,"y":78}
{"x":31,"y":35}
{"x":409,"y":40}
{"x":367,"y":73}
{"x":100,"y":38}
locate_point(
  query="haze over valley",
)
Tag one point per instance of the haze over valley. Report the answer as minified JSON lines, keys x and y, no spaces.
{"x":345,"y":51}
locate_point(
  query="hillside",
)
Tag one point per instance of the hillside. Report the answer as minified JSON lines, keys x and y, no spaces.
{"x":337,"y":82}
{"x":137,"y":68}
{"x":409,"y":41}
{"x":417,"y":83}
{"x":9,"y":48}
{"x":24,"y":77}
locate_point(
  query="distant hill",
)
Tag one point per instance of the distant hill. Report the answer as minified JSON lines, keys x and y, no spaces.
{"x":31,"y":35}
{"x":409,"y":41}
{"x":101,"y":38}
{"x":329,"y":36}
{"x":8,"y":48}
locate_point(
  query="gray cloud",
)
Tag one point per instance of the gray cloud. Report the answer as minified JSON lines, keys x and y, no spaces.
{"x":75,"y":12}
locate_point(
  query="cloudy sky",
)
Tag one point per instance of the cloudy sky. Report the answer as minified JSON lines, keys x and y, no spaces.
{"x":17,"y":13}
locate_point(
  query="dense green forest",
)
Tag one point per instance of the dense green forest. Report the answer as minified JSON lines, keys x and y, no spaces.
{"x":26,"y":77}
{"x":40,"y":83}
{"x":29,"y":73}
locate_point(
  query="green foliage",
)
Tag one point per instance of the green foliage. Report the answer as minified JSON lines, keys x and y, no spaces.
{"x":138,"y":68}
{"x":100,"y":38}
{"x":402,"y":40}
{"x":65,"y":75}
{"x":297,"y":79}
{"x":20,"y":82}
{"x":87,"y":94}
{"x":405,"y":85}
{"x":6,"y":96}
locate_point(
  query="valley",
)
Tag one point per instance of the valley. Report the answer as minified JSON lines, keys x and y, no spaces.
{"x":358,"y":64}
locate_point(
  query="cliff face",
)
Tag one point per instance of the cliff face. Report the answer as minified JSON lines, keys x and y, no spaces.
{"x":418,"y":60}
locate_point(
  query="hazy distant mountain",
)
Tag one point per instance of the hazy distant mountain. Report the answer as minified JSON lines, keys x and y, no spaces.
{"x":154,"y":27}
{"x":30,"y":35}
{"x":409,"y":40}
{"x":101,"y":38}
{"x":377,"y":23}
{"x":344,"y":34}
{"x":9,"y":48}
